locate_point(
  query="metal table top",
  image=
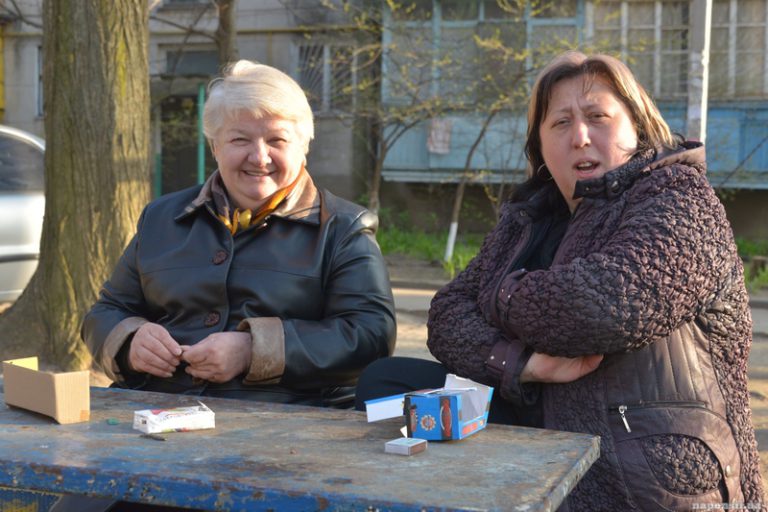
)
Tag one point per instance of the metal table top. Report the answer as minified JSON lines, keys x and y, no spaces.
{"x":264,"y":456}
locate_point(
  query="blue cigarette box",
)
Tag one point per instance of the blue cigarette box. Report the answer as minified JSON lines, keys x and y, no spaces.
{"x":455,"y":411}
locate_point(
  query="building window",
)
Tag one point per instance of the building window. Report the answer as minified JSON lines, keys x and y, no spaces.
{"x":738,"y":49}
{"x":475,"y":49}
{"x":327,"y":75}
{"x":182,"y":62}
{"x":39,"y":92}
{"x":651,"y":36}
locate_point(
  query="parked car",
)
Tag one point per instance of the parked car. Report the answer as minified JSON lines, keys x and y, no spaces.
{"x":22,"y":204}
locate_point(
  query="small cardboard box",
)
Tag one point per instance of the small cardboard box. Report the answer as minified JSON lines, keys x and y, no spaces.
{"x":405,"y":446}
{"x":65,"y":397}
{"x":455,"y":411}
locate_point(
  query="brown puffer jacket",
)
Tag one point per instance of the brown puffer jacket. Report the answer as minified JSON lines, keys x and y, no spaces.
{"x":647,"y":273}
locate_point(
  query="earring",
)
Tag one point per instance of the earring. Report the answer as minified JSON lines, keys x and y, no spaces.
{"x":541,"y":176}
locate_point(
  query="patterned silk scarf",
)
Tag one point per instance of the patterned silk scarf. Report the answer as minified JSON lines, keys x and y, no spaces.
{"x":243,"y":219}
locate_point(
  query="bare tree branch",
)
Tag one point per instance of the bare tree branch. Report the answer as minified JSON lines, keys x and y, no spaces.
{"x":16,"y":14}
{"x":189,"y":30}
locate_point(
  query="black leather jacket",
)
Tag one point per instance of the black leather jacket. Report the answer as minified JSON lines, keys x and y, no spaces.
{"x":310,"y":285}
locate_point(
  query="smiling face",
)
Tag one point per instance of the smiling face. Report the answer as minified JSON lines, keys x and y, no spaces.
{"x":257,"y":157}
{"x":586,"y":132}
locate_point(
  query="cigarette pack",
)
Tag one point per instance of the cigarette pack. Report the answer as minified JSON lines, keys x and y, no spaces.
{"x":405,"y":446}
{"x":455,"y":411}
{"x":180,"y":419}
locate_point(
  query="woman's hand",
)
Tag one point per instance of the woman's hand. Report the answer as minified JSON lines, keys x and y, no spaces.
{"x":219,"y":357}
{"x":154,"y":351}
{"x":559,"y":370}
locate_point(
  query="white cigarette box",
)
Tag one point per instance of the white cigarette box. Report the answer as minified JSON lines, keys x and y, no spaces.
{"x":180,"y":419}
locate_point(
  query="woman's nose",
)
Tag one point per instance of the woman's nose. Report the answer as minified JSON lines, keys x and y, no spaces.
{"x":580,"y":135}
{"x":259,"y":154}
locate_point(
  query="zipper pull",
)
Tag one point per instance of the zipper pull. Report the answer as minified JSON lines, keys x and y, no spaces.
{"x":622,"y":410}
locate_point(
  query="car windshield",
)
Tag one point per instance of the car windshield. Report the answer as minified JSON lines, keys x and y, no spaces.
{"x":21,"y":165}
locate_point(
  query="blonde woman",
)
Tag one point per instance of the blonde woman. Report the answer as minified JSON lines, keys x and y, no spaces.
{"x":255,"y":285}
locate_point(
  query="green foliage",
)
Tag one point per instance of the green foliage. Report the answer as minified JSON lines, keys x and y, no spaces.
{"x":465,"y":249}
{"x":755,"y":280}
{"x":399,"y":238}
{"x":755,"y":275}
{"x":396,"y":236}
{"x":750,"y":247}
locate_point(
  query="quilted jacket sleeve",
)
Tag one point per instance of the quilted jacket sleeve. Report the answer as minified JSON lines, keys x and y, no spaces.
{"x":671,"y":251}
{"x":461,"y":337}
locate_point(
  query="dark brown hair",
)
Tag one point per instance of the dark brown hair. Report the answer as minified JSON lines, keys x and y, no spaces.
{"x":652,"y":130}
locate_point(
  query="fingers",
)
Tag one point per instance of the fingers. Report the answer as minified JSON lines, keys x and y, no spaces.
{"x":219,"y":357}
{"x":197,"y":353}
{"x":208,"y":371}
{"x":154,"y":351}
{"x":590,"y":363}
{"x":545,"y":368}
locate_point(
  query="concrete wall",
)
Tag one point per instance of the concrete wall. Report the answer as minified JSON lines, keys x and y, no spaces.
{"x":747,"y":211}
{"x":331,"y":159}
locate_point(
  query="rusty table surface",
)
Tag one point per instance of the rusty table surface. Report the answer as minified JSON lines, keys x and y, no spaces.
{"x":265,"y":456}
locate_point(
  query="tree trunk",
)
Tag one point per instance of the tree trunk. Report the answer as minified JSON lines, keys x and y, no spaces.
{"x":459,"y":197}
{"x":374,"y":180}
{"x":226,"y":32}
{"x":374,"y":187}
{"x":97,"y":170}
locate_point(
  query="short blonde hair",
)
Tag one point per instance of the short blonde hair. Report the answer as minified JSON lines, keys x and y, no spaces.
{"x":652,"y":130}
{"x":261,"y":90}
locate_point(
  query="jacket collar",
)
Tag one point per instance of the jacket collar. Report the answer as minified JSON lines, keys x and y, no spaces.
{"x":615,"y":182}
{"x":302,"y":204}
{"x":545,"y":201}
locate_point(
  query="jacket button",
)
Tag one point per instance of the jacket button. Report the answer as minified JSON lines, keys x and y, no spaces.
{"x":615,"y":186}
{"x":728,"y":471}
{"x":212,"y":319}
{"x":220,"y":257}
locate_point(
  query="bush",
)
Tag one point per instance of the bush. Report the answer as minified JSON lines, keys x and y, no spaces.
{"x":755,"y":275}
{"x":394,"y":239}
{"x":749,"y":247}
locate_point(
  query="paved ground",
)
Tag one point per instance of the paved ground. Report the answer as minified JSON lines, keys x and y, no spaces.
{"x":415,"y":282}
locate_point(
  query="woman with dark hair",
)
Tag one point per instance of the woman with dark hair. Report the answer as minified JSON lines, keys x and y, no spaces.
{"x":609,"y":299}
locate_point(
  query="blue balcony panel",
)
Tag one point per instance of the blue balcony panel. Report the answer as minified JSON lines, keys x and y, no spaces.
{"x":737,"y":147}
